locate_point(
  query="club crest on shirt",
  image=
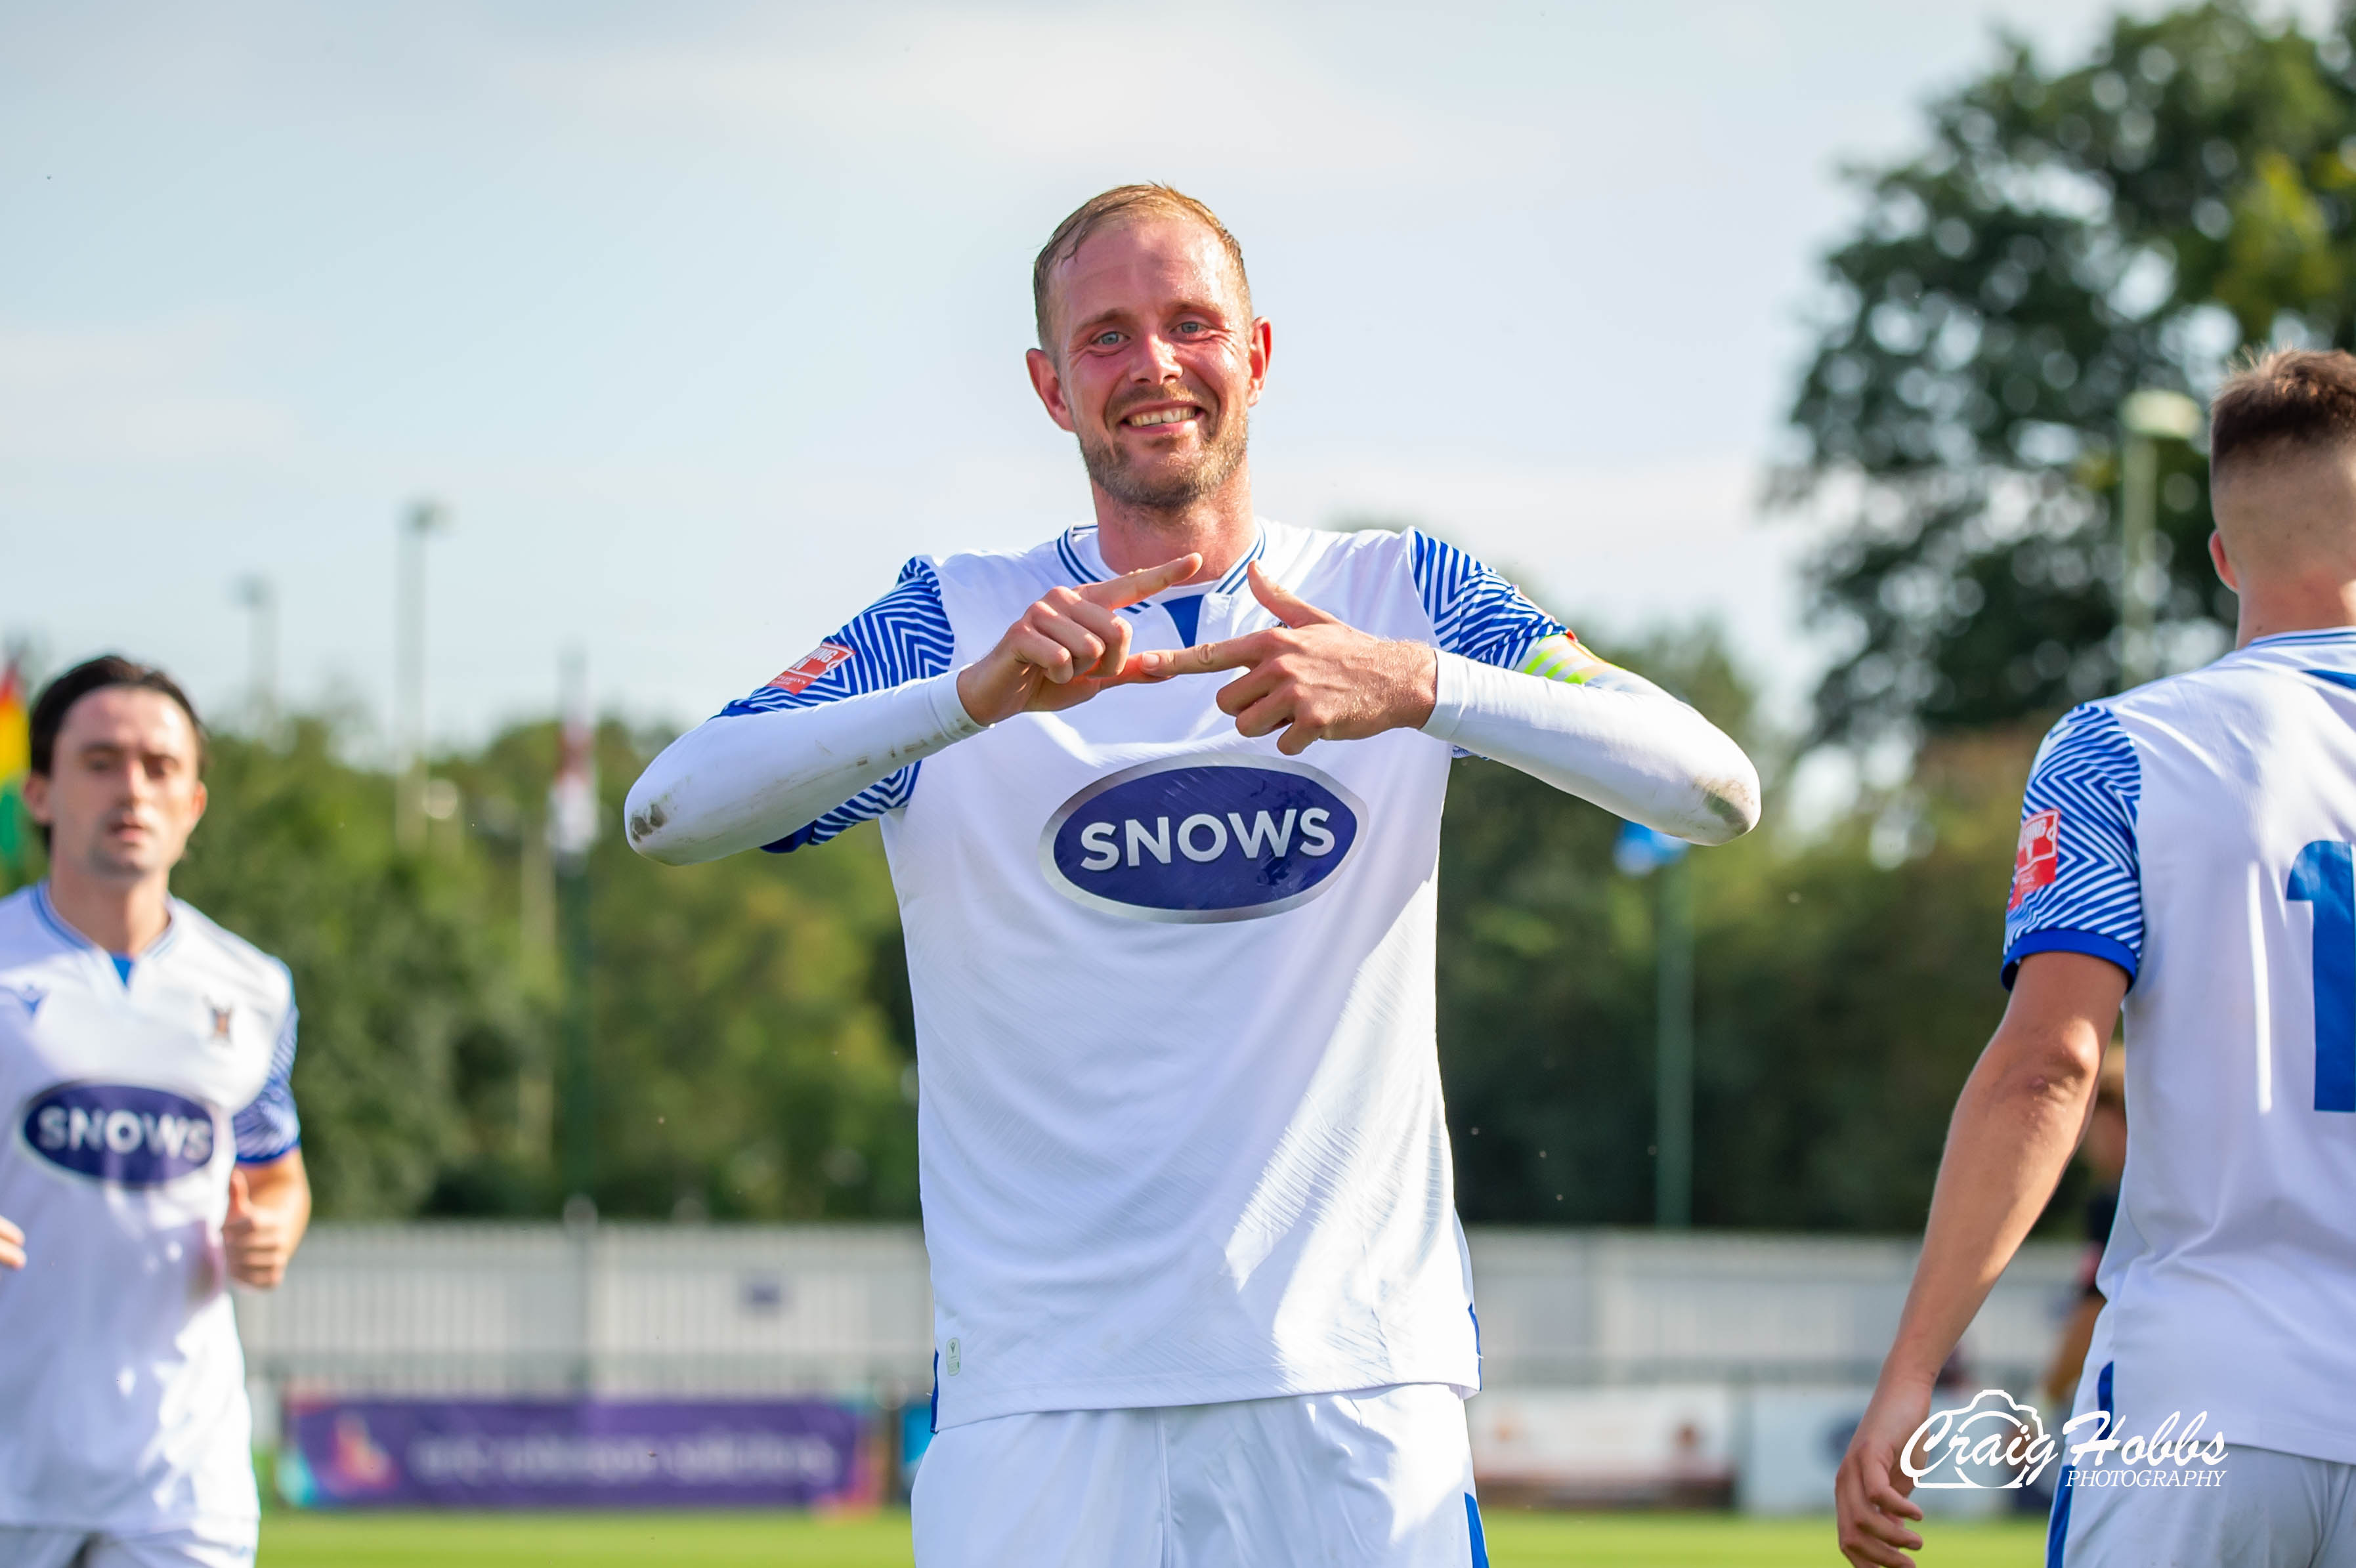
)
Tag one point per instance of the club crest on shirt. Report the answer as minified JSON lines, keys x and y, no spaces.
{"x":126,"y":1134}
{"x":1200,"y":840}
{"x":223,"y":1012}
{"x":2037,"y":860}
{"x":797,"y":676}
{"x":31,"y":997}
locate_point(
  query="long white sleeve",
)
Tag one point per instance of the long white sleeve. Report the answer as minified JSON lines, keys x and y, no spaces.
{"x":743,"y":780}
{"x":1640,"y":754}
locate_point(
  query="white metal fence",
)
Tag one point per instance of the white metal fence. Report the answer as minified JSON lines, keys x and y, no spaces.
{"x":705,"y":1310}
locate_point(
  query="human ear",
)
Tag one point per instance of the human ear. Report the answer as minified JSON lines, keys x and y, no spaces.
{"x":2221,"y":561}
{"x":1048,"y":382}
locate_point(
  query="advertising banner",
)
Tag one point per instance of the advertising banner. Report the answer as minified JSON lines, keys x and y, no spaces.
{"x":465,"y":1454}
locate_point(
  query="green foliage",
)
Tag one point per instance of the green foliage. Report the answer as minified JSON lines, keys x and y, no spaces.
{"x":411,"y":1024}
{"x":749,"y":1052}
{"x":2068,"y":236}
{"x":749,"y":1039}
{"x":1839,"y":1004}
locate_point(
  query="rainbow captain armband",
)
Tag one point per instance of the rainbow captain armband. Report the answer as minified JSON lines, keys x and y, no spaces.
{"x":1565,"y":659}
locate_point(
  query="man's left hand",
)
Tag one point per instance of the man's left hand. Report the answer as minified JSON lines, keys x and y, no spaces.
{"x":1312,"y":678}
{"x":269,"y":1208}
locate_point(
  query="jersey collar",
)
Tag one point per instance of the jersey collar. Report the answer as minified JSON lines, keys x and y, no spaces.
{"x":67,"y":934}
{"x":2315,"y":635}
{"x":1077,"y":550}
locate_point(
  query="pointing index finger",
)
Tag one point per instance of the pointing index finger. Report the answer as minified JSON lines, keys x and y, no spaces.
{"x":1118,"y":592}
{"x":1236,"y":653}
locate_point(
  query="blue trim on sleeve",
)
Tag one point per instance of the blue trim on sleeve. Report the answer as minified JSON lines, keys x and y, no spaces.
{"x":268,"y":1127}
{"x":2088,"y":774}
{"x":2093,"y":944}
{"x":903,"y":637}
{"x":1475,"y":612}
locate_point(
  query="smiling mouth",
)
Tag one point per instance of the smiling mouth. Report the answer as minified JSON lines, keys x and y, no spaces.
{"x":1153,"y":417}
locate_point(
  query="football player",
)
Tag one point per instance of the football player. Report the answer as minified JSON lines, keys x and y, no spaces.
{"x":152,"y":1156}
{"x":1200,"y":1292}
{"x":2185,"y":848}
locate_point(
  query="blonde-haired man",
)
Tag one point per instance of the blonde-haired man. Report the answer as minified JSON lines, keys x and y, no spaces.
{"x":1200,"y":1294}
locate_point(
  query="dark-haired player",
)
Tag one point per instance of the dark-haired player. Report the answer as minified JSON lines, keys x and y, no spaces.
{"x":150,"y":1158}
{"x":2185,"y":848}
{"x":1200,"y":1296}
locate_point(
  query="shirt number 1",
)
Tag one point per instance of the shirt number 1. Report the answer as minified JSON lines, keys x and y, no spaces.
{"x":2325,"y":876}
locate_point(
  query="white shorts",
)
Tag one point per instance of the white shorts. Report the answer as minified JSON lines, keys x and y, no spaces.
{"x":198,"y":1546}
{"x":1380,"y":1479}
{"x":2266,"y":1510}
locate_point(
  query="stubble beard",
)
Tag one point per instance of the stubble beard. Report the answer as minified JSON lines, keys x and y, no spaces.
{"x":1167,"y":490}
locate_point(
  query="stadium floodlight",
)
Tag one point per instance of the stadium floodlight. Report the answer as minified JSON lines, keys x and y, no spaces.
{"x":2146,"y":418}
{"x":1639,"y":852}
{"x":254,"y":593}
{"x":423,"y":518}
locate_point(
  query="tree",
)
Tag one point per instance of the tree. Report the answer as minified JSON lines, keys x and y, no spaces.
{"x":2066,"y":239}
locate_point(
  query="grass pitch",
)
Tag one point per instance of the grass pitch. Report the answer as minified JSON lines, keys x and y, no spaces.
{"x":799,"y":1540}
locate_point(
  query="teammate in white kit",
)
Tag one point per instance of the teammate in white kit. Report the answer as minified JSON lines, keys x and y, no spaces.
{"x":1201,"y":1296}
{"x":151,"y":1155}
{"x":2186,"y":847}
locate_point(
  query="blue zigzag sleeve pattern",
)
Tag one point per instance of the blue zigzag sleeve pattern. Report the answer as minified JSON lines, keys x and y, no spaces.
{"x":901,"y":637}
{"x":2090,"y":897}
{"x":1475,"y":612}
{"x":268,"y":1128}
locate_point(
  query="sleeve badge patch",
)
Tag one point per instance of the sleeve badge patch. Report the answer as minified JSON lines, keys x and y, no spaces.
{"x":2038,"y":860}
{"x":797,"y":678}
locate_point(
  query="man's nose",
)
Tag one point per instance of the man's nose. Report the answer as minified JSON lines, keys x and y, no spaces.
{"x":1158,"y":359}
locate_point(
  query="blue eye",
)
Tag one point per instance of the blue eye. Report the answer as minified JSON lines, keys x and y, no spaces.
{"x":1106,"y":340}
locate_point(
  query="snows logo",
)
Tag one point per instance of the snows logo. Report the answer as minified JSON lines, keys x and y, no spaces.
{"x":1201,"y":838}
{"x":128,"y":1135}
{"x":1995,"y":1442}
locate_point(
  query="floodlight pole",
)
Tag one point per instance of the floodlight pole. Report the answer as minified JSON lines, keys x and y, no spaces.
{"x":422,"y":518}
{"x":258,"y":597}
{"x":577,"y":730}
{"x":2146,"y":418}
{"x":1673,"y":1126}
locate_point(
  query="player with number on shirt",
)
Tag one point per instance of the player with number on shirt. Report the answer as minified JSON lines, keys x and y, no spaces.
{"x":1200,"y":1293}
{"x":150,"y":1159}
{"x":2185,"y":848}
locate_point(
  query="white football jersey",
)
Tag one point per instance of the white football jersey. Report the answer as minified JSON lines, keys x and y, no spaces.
{"x":131,"y":1089}
{"x":2197,"y":832}
{"x":1180,"y":1130}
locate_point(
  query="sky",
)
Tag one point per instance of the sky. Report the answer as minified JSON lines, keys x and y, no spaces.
{"x":702,"y":318}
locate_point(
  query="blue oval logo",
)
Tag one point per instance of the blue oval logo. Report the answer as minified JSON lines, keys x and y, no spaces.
{"x":1201,"y":838}
{"x":126,"y":1133}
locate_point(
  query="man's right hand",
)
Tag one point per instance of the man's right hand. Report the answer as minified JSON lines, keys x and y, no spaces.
{"x":1872,"y":1509}
{"x":12,"y":1246}
{"x":1065,"y":648}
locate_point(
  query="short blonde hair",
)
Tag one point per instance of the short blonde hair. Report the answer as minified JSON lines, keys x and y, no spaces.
{"x":1122,"y":204}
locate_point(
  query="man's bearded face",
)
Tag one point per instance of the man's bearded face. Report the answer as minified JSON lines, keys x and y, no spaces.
{"x":1158,"y":362}
{"x":1166,"y":481}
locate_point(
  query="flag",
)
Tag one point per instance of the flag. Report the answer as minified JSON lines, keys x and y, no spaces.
{"x":572,"y":796}
{"x":1641,"y":850}
{"x":16,"y":760}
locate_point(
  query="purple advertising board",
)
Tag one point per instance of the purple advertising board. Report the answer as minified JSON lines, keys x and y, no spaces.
{"x":471,"y":1453}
